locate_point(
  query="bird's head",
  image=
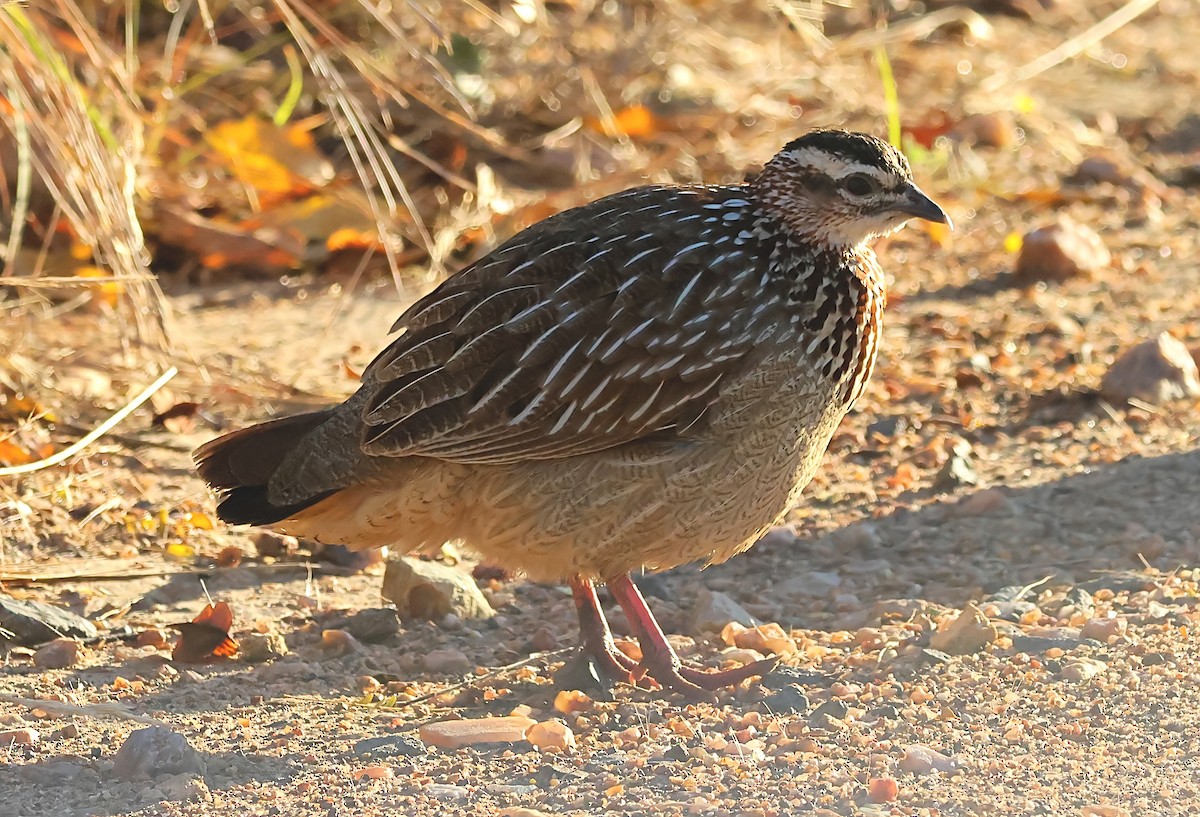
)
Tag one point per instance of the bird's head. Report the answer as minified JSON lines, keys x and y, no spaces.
{"x":841,"y":189}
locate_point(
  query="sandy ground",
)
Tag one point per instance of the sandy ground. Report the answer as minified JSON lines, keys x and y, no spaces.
{"x":1078,"y":542}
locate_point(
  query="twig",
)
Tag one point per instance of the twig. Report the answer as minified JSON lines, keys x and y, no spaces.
{"x":475,"y":679}
{"x":1073,"y":46}
{"x":96,"y":433}
{"x":101,"y":710}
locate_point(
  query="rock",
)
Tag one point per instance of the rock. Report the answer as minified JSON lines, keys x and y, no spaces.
{"x":289,"y":671}
{"x":551,"y":734}
{"x":814,"y":584}
{"x":987,"y":502}
{"x":20,"y":737}
{"x":790,"y":700}
{"x":571,"y":701}
{"x":1156,"y":371}
{"x":339,"y":642}
{"x":156,"y":751}
{"x":1060,"y":251}
{"x":447,"y":791}
{"x":767,"y":638}
{"x":1104,"y":810}
{"x":153,"y":637}
{"x":259,"y":647}
{"x":431,"y":590}
{"x":58,"y":654}
{"x":447,"y":662}
{"x":991,"y":130}
{"x":882,"y":790}
{"x":969,"y":632}
{"x":406,"y":745}
{"x":372,"y":625}
{"x":32,"y":622}
{"x":741,"y":655}
{"x":823,"y":715}
{"x":1102,"y":628}
{"x":1081,"y":669}
{"x":713,"y":610}
{"x":919,"y":759}
{"x":181,"y":788}
{"x":456,"y":734}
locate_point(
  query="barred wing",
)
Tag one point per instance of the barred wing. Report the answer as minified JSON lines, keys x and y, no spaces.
{"x":611,"y":323}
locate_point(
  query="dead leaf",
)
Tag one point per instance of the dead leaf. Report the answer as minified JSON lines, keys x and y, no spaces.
{"x":275,"y":161}
{"x":206,"y":637}
{"x":13,"y":454}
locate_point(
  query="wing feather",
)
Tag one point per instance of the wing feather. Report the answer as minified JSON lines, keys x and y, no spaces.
{"x":551,"y":347}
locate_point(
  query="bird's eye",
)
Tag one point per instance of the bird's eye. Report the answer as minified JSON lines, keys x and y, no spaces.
{"x":859,"y":184}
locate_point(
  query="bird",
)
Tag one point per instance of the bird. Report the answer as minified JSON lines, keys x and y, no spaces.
{"x":647,"y":380}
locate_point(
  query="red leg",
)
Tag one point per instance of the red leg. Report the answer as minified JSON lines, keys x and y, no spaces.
{"x":597,"y":649}
{"x":659,"y":660}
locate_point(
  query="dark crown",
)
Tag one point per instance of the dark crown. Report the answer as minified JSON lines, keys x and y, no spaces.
{"x":853,"y":147}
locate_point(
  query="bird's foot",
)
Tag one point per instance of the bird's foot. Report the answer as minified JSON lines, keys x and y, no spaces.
{"x":661,"y":664}
{"x":596,"y":667}
{"x":598,"y":664}
{"x":665,"y":668}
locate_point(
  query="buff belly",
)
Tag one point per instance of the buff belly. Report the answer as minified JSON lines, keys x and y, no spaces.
{"x":599,"y":515}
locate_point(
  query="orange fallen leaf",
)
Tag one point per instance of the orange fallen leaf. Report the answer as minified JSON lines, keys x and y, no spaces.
{"x":206,"y":636}
{"x":634,"y":121}
{"x":13,"y":454}
{"x":107,"y":292}
{"x":271,"y":159}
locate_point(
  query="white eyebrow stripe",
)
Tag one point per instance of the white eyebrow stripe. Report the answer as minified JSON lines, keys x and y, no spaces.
{"x":835,"y":167}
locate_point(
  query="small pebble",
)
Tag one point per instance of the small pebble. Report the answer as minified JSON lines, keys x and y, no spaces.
{"x":1102,"y":628}
{"x":1105,"y":810}
{"x":571,"y":701}
{"x":713,"y":610}
{"x":882,"y":790}
{"x":969,"y":632}
{"x":259,"y":647}
{"x":20,"y":737}
{"x":919,"y":759}
{"x":182,"y":788}
{"x":1081,"y":669}
{"x":1156,"y":371}
{"x":339,"y":642}
{"x":445,"y":791}
{"x":154,"y":752}
{"x":1061,"y":251}
{"x":432,"y":590}
{"x":372,"y":625}
{"x":989,"y":130}
{"x":448,"y":661}
{"x":58,"y":654}
{"x":765,"y":638}
{"x":551,"y":734}
{"x":456,"y":734}
{"x":152,"y":637}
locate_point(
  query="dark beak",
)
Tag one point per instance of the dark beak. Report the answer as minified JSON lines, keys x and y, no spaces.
{"x":915,"y":203}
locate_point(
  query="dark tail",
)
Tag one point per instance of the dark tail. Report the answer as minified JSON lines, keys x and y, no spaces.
{"x":240,"y":465}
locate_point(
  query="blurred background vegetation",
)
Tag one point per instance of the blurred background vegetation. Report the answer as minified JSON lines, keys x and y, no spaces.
{"x":163,"y":144}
